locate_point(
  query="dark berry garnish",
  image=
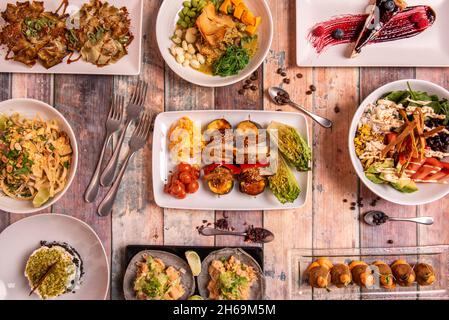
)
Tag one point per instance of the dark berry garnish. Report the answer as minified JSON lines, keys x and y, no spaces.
{"x":422,"y":24}
{"x":389,"y":5}
{"x":318,"y":31}
{"x":338,"y":34}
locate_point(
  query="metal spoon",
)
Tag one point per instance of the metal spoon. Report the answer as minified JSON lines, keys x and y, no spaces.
{"x":269,"y":236}
{"x":276,"y":92}
{"x":369,"y":218}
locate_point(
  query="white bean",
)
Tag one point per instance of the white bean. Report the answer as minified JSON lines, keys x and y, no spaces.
{"x":188,"y":56}
{"x":177,"y":40}
{"x":195,"y":64}
{"x":186,"y":63}
{"x":178,"y":33}
{"x":180,"y":58}
{"x":184,"y":45}
{"x":191,"y":49}
{"x":191,"y":35}
{"x":173,"y":50}
{"x":179,"y":51}
{"x":200,"y":58}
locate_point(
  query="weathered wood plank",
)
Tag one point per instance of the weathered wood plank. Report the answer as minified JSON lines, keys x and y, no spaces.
{"x":334,"y":224}
{"x":136,"y":218}
{"x":292,"y":228}
{"x":371,"y":79}
{"x":181,"y":95}
{"x":84,"y":101}
{"x":228,"y":98}
{"x":5,"y":94}
{"x":437,"y":233}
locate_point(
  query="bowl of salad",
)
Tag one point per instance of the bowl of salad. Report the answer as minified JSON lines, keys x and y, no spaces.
{"x":399,"y":142}
{"x":214,"y":43}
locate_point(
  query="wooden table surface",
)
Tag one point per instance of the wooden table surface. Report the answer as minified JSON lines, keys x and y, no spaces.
{"x":324,"y":222}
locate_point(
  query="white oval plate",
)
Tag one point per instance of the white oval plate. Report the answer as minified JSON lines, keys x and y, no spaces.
{"x":20,"y":239}
{"x":428,"y":192}
{"x":166,"y":24}
{"x":30,"y":108}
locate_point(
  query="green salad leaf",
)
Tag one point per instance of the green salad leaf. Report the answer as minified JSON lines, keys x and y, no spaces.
{"x":440,"y":106}
{"x":283,"y":183}
{"x":292,"y":146}
{"x":231,"y":62}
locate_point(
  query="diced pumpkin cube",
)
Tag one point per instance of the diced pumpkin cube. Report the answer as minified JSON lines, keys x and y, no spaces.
{"x":248,"y":18}
{"x":224,"y":6}
{"x":253,"y":29}
{"x":239,"y":10}
{"x":236,"y":2}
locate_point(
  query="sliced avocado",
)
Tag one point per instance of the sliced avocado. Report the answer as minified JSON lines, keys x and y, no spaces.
{"x":405,"y":185}
{"x":374,"y":178}
{"x":378,"y":166}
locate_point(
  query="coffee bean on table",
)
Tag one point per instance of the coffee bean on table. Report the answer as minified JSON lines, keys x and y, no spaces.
{"x":287,"y":80}
{"x":312,"y":88}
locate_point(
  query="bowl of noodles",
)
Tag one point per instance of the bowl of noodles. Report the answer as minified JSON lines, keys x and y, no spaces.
{"x":38,"y":155}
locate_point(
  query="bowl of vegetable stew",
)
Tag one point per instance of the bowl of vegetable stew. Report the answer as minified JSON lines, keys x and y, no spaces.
{"x":214,"y":43}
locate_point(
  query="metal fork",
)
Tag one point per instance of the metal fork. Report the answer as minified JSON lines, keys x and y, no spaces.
{"x":115,"y":119}
{"x":138,"y":141}
{"x":134,"y":108}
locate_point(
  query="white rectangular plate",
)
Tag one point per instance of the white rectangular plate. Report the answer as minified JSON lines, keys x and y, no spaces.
{"x":203,"y":199}
{"x":128,"y":65}
{"x":428,"y":49}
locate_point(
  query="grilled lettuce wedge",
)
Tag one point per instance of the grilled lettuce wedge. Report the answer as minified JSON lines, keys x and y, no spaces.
{"x":283,"y":183}
{"x":292,"y":146}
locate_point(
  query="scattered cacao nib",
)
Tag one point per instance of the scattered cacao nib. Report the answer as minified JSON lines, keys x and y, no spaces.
{"x":390,"y":241}
{"x":222,"y":224}
{"x":256,"y":74}
{"x":337,"y":109}
{"x":280,"y":70}
{"x":253,"y":78}
{"x":253,"y":88}
{"x":352,"y":208}
{"x":353,"y":204}
{"x":283,"y":73}
{"x":286,"y":80}
{"x":255,"y":234}
{"x":246,"y":86}
{"x":308,"y":92}
{"x":299,"y":75}
{"x":241,"y":91}
{"x":345,"y":200}
{"x":312,"y":88}
{"x":204,"y":221}
{"x":247,"y":81}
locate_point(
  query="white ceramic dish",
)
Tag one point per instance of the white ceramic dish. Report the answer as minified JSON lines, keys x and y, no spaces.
{"x":15,"y":249}
{"x":166,"y":24}
{"x":203,"y":199}
{"x":128,"y":65}
{"x":429,"y":48}
{"x":428,"y":192}
{"x":30,"y":108}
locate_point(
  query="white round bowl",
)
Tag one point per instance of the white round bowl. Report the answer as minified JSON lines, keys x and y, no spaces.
{"x":166,"y":24}
{"x":428,"y":192}
{"x":30,"y":108}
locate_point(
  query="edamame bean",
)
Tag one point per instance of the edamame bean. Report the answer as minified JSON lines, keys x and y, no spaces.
{"x":181,"y":15}
{"x":195,"y":3}
{"x":185,"y":10}
{"x":191,"y":14}
{"x":187,"y":4}
{"x":183,"y":24}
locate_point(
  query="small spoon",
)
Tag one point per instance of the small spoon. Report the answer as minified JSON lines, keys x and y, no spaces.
{"x":268,"y":236}
{"x":372,"y":216}
{"x":281,"y":97}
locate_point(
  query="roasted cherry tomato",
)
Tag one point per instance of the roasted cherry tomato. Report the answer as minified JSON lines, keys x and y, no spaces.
{"x":181,"y":195}
{"x":195,"y":173}
{"x":184,"y":167}
{"x":193,"y":187}
{"x":185,"y":177}
{"x":176,"y":187}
